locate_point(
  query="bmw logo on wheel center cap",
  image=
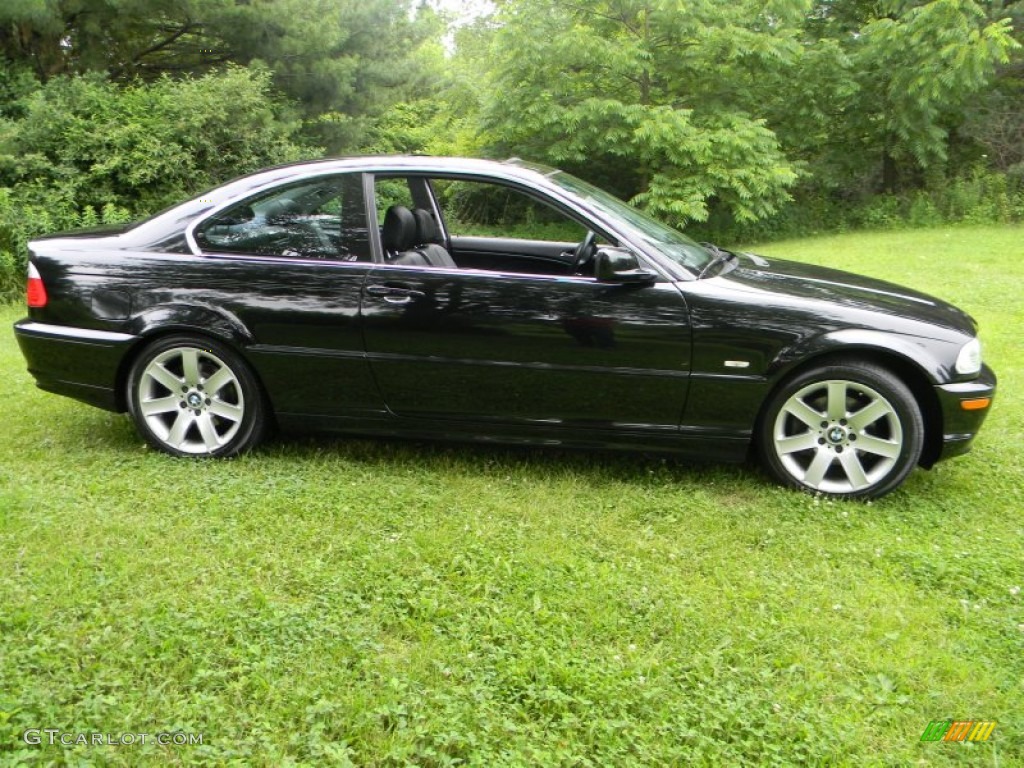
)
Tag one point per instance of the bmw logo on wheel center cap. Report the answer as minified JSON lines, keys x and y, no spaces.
{"x":836,"y":435}
{"x":195,"y":400}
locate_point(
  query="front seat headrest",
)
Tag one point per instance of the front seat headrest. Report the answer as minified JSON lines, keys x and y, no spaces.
{"x":426,"y":227}
{"x":399,"y":230}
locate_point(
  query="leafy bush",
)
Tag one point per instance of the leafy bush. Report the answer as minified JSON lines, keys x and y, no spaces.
{"x":881,"y":212}
{"x":86,"y":152}
{"x":923,"y":212}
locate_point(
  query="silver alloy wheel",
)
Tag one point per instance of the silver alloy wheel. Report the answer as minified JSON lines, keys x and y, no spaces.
{"x":191,"y":400}
{"x":838,"y":436}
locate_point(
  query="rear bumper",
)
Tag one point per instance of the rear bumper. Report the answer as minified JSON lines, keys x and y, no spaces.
{"x":81,"y":363}
{"x":960,"y":426}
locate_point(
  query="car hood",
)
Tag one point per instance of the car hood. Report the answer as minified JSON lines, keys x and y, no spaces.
{"x":837,"y":287}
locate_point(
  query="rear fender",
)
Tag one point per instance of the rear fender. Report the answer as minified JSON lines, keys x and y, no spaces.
{"x":176,"y":318}
{"x":196,"y":318}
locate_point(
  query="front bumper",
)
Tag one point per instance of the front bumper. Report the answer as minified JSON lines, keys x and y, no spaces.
{"x":960,"y":426}
{"x":81,"y":363}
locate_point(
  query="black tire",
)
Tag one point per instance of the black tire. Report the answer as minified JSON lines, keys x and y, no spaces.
{"x":194,"y":396}
{"x":850,"y":430}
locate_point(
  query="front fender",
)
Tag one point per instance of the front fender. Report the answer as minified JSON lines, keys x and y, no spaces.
{"x":934,"y":358}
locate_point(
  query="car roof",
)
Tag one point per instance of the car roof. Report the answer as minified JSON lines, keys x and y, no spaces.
{"x":511,"y":168}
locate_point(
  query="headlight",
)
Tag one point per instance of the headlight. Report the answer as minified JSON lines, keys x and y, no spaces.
{"x":969,"y":359}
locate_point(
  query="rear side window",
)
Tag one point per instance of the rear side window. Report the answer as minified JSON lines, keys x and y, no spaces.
{"x":320,"y":219}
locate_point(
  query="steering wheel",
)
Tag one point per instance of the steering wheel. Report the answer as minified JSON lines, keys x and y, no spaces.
{"x":584,"y":251}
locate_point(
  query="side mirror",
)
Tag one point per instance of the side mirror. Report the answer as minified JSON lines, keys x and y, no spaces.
{"x":617,"y":265}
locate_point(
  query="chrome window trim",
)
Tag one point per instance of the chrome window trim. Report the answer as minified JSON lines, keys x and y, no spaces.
{"x":283,"y":259}
{"x":483,"y":272}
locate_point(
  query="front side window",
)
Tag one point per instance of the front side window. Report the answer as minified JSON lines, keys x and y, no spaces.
{"x":485,"y":209}
{"x":498,"y":227}
{"x":324,"y":218}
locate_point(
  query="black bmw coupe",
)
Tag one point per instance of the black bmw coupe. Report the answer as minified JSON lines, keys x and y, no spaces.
{"x":500,"y":302}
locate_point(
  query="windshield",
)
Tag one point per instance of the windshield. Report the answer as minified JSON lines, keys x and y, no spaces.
{"x":665,"y":240}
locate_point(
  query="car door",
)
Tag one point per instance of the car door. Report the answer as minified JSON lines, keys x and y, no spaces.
{"x":521,"y":348}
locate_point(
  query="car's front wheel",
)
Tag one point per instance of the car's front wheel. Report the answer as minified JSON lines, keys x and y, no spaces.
{"x":195,"y":397}
{"x":851,"y":430}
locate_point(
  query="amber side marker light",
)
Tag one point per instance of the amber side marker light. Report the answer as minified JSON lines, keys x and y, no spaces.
{"x":976,"y":404}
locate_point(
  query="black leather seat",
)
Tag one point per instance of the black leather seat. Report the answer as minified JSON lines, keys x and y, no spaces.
{"x":428,"y":240}
{"x":408,"y":239}
{"x":398,"y":236}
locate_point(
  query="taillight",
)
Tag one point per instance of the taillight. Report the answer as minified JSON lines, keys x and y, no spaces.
{"x":35,"y":291}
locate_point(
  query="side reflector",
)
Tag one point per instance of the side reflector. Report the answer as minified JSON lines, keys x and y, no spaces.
{"x":35,"y":291}
{"x":976,"y":404}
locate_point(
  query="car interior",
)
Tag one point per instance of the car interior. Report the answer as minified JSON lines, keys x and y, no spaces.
{"x":479,"y":221}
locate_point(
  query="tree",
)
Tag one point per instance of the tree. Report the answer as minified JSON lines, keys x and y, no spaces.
{"x":919,"y":69}
{"x":883,"y":85}
{"x":348,"y":58}
{"x":646,"y":91}
{"x":995,"y":122}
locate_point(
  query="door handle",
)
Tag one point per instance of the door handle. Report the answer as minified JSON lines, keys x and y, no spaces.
{"x":394,"y":294}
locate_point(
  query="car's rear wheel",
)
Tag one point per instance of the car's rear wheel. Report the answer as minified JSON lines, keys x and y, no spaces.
{"x":851,"y":430}
{"x":195,"y":397}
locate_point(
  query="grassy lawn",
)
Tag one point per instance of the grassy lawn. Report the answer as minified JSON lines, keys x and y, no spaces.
{"x":372,"y":603}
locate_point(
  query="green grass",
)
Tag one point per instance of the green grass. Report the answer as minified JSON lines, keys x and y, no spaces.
{"x":387,"y":603}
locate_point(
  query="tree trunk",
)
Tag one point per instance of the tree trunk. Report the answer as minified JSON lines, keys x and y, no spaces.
{"x":890,"y":175}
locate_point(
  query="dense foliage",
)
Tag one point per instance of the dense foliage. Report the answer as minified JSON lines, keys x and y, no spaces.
{"x":635,"y":90}
{"x":748,"y":119}
{"x":85,"y":151}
